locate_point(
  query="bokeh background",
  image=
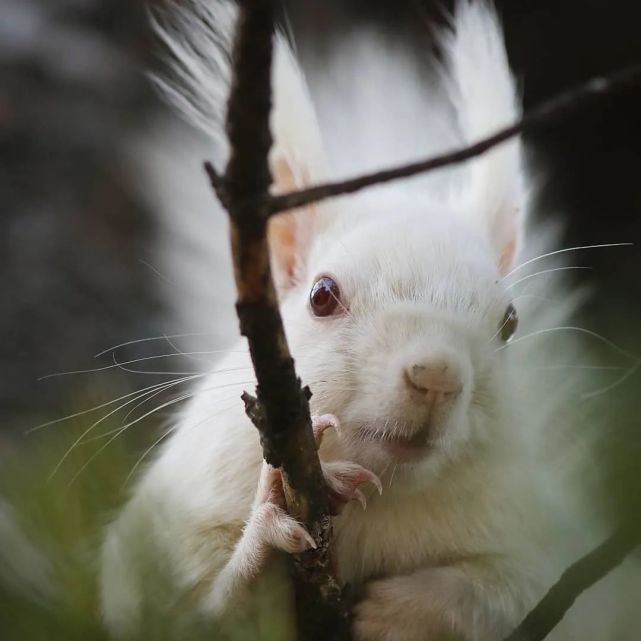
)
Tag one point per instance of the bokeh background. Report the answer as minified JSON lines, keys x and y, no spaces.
{"x":81,"y":229}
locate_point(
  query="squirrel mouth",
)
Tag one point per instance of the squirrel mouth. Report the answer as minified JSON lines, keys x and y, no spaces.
{"x":402,"y":447}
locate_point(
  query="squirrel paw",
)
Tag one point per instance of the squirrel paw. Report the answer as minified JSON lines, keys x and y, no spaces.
{"x":423,"y":606}
{"x":269,"y":521}
{"x":343,"y":478}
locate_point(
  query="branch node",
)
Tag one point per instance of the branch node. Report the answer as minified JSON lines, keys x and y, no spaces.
{"x":217,"y":182}
{"x":256,"y":414}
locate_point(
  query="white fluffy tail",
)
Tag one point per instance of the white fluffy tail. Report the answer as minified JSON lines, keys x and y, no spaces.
{"x":192,"y":252}
{"x":198,"y":37}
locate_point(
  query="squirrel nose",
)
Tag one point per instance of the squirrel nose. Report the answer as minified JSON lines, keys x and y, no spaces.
{"x":440,"y":379}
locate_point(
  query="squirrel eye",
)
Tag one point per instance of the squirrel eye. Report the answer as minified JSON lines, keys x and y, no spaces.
{"x":324,"y":298}
{"x":509,"y":324}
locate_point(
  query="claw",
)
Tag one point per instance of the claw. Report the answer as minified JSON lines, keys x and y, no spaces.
{"x":360,"y":497}
{"x":343,"y":479}
{"x":377,"y":483}
{"x":365,"y":476}
{"x":308,"y":538}
{"x":320,"y":424}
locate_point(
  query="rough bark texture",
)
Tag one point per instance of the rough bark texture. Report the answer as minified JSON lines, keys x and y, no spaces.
{"x":281,"y":411}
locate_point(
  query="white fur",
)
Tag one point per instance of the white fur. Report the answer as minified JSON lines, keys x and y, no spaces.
{"x":469,"y":537}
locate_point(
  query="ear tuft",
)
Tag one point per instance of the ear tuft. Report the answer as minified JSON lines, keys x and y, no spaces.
{"x":483,"y":93}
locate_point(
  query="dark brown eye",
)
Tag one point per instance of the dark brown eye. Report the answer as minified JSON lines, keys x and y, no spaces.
{"x":509,"y":324}
{"x":324,"y":297}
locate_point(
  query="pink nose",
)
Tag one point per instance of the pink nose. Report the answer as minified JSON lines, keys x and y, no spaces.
{"x":441,"y":379}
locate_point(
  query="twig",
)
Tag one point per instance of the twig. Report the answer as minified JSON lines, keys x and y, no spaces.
{"x":281,"y":409}
{"x":575,"y":580}
{"x":542,"y":116}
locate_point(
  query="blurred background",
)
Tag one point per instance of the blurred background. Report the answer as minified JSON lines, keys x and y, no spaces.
{"x":83,"y":230}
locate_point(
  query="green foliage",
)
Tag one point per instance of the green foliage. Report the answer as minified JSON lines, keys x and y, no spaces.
{"x":58,"y":521}
{"x":52,"y":517}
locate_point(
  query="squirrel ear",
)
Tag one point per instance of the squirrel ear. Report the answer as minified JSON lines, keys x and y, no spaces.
{"x":497,"y":194}
{"x":509,"y":245}
{"x":296,"y":161}
{"x":289,"y":232}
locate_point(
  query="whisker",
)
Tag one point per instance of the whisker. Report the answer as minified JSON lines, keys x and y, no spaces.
{"x":122,"y":429}
{"x":141,"y":403}
{"x":158,"y":372}
{"x":589,"y":367}
{"x":563,"y":251}
{"x":392,"y":474}
{"x":156,"y":271}
{"x":93,"y":409}
{"x":507,"y":319}
{"x":144,"y":455}
{"x":211,"y":388}
{"x":581,"y":330}
{"x":119,"y":365}
{"x":94,"y":425}
{"x":545,"y":299}
{"x":631,"y":371}
{"x":340,"y":302}
{"x":157,"y":338}
{"x":182,"y":397}
{"x":500,"y":329}
{"x":180,"y":351}
{"x":546,"y":271}
{"x":151,"y":447}
{"x":122,"y":367}
{"x":114,"y":437}
{"x":185,"y":396}
{"x":240,"y":368}
{"x":166,"y":434}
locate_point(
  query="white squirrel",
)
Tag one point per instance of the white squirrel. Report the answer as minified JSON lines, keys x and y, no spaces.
{"x":398,"y":306}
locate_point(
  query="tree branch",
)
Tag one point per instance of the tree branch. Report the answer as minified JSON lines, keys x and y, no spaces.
{"x":575,"y":580}
{"x":542,"y":116}
{"x":281,"y":409}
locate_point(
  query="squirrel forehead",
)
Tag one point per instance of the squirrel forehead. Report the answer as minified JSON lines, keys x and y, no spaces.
{"x":430,"y":257}
{"x":409,"y":243}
